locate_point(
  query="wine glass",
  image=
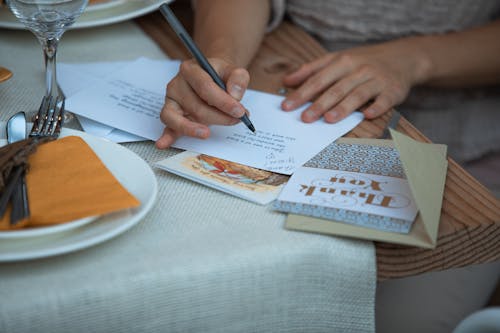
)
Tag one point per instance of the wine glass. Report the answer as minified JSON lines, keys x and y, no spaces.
{"x":48,"y":19}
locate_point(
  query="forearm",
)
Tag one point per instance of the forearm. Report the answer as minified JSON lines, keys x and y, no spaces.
{"x":231,"y":30}
{"x":461,"y":59}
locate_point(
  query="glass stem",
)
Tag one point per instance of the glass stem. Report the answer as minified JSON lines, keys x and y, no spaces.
{"x":49,"y":52}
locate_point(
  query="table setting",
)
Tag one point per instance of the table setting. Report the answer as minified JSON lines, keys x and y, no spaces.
{"x":186,"y":258}
{"x":96,"y":225}
{"x":175,"y":254}
{"x":64,"y":201}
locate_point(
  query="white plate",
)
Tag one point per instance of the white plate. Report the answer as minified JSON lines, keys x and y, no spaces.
{"x":134,"y":174}
{"x":43,"y":231}
{"x":96,"y":15}
{"x":103,"y":5}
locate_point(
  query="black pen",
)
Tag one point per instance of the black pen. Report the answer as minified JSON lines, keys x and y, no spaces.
{"x":195,"y":51}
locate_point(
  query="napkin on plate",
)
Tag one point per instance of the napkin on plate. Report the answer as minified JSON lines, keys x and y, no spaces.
{"x":67,"y":181}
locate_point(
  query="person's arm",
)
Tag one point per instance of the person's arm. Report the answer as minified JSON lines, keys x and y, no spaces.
{"x":463,"y":59}
{"x":229,"y":34}
{"x":231,"y":30}
{"x":381,"y":75}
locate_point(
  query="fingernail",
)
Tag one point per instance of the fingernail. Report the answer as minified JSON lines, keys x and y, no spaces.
{"x":200,"y":132}
{"x":288,"y":105}
{"x":371,"y":112}
{"x":237,"y":112}
{"x":331,"y":117}
{"x":310,"y":115}
{"x":334,"y":115}
{"x":236,"y":91}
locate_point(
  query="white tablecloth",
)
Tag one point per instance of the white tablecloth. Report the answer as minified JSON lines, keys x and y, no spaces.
{"x":201,"y":260}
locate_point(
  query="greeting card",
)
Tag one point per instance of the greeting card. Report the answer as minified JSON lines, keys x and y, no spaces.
{"x":424,"y":167}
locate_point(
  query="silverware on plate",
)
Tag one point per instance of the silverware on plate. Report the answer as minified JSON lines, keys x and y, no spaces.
{"x":46,"y":127}
{"x":16,"y":131}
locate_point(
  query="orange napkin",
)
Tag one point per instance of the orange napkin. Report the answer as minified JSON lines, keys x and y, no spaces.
{"x":67,"y":181}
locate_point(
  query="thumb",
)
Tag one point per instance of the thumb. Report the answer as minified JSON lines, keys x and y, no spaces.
{"x":237,"y":80}
{"x":237,"y":83}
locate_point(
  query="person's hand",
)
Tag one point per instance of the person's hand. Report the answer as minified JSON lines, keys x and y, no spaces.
{"x":379,"y":76}
{"x":194,"y":101}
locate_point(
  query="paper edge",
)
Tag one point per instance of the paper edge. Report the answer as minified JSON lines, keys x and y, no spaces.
{"x":428,"y":221}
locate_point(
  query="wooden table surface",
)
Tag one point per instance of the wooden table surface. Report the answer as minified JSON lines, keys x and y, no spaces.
{"x":469,"y":231}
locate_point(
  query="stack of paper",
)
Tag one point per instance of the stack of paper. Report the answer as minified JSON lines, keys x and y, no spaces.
{"x":123,"y":101}
{"x":120,"y":101}
{"x":424,"y":167}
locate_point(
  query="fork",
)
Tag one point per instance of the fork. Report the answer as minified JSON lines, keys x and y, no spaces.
{"x":46,"y":126}
{"x":49,"y":119}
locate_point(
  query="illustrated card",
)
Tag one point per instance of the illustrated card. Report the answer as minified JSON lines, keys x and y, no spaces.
{"x":248,"y":183}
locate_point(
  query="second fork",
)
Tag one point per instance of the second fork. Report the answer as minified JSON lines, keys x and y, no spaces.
{"x":46,"y":126}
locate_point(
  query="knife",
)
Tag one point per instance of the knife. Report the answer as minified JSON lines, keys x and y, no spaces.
{"x":16,"y":131}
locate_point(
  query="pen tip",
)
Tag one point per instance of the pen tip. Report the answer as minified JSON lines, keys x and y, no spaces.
{"x":252,"y":128}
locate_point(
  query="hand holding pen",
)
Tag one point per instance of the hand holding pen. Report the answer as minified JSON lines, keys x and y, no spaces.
{"x":198,"y":96}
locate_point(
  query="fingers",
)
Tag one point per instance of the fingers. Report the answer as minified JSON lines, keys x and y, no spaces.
{"x":174,"y":118}
{"x":324,"y":74}
{"x":306,"y":70}
{"x":209,"y":92}
{"x":381,"y":105}
{"x":335,"y":94}
{"x":195,"y":101}
{"x":343,"y":82}
{"x":193,"y":106}
{"x":178,"y":125}
{"x":353,"y":101}
{"x":167,"y":138}
{"x":237,"y":82}
{"x":335,"y":106}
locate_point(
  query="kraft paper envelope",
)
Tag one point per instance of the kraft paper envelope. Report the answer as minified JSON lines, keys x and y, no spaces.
{"x":425,"y":167}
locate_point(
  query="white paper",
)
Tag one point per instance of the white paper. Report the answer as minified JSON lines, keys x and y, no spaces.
{"x":117,"y":135}
{"x":94,"y":127}
{"x":107,"y":132}
{"x":129,"y":99}
{"x":352,"y":191}
{"x":75,"y":77}
{"x":282,"y":142}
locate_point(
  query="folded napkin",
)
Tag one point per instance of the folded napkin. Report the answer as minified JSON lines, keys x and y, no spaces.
{"x":67,"y":181}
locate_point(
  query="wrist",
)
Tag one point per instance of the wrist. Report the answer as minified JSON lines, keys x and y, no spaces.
{"x":423,"y":65}
{"x":222,"y":49}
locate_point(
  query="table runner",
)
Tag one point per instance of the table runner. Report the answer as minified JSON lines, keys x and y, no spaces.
{"x":200,"y":261}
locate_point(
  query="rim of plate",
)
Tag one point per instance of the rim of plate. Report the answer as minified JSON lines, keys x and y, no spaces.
{"x":99,"y":16}
{"x":46,"y":230}
{"x":103,"y":5}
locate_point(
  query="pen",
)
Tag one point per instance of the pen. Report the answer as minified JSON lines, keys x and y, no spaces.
{"x":195,"y":51}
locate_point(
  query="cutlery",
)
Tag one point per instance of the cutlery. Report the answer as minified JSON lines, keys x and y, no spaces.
{"x":46,"y":127}
{"x":16,"y":131}
{"x":16,"y":128}
{"x":5,"y":74}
